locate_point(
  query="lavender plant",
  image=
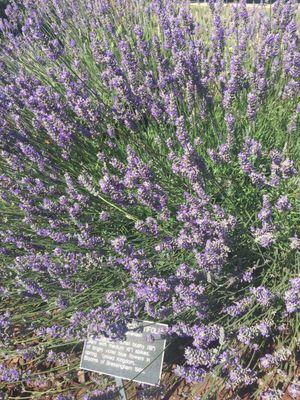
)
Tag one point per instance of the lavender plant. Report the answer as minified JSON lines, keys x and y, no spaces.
{"x":149,"y":170}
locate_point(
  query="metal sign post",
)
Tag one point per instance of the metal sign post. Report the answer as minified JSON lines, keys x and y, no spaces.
{"x":119,"y":383}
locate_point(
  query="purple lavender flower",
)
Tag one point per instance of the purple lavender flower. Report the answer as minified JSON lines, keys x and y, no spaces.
{"x":149,"y":226}
{"x":239,"y":376}
{"x":253,"y":105}
{"x":145,"y":392}
{"x":190,"y":374}
{"x":295,"y":243}
{"x":272,"y":394}
{"x":240,"y":307}
{"x":188,"y":297}
{"x":282,"y":354}
{"x":262,"y":295}
{"x":112,"y":186}
{"x":264,"y":238}
{"x":265,"y":235}
{"x":246,"y":335}
{"x":221,"y":155}
{"x":200,"y":357}
{"x":294,"y":389}
{"x":264,"y":328}
{"x":250,"y":335}
{"x":265,"y":213}
{"x":251,"y":149}
{"x":267,"y":361}
{"x":65,"y":397}
{"x":110,"y":393}
{"x":213,"y":257}
{"x":57,"y":358}
{"x":5,"y":324}
{"x":248,"y":275}
{"x":230,"y":123}
{"x":204,"y":335}
{"x":104,"y":216}
{"x":287,"y":169}
{"x":283,"y":204}
{"x":119,"y":243}
{"x":9,"y":374}
{"x":292,"y":296}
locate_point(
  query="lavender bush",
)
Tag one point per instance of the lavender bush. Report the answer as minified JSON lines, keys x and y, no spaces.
{"x":149,"y":169}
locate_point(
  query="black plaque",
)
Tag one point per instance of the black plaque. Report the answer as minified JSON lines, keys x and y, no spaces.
{"x":138,"y":358}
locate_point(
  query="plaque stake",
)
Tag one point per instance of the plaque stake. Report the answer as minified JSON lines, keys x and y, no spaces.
{"x":119,"y":383}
